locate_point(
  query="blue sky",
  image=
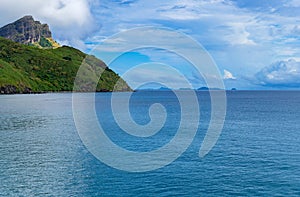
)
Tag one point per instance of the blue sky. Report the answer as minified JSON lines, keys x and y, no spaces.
{"x":255,"y":43}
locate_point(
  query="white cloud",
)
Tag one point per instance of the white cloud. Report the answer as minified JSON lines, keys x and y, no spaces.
{"x":155,"y":37}
{"x":282,"y":74}
{"x":70,"y":20}
{"x":228,"y":75}
{"x":210,"y":21}
{"x":293,"y":3}
{"x":239,"y":36}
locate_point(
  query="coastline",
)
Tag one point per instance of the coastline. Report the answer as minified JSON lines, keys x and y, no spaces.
{"x":148,"y":90}
{"x":14,"y":91}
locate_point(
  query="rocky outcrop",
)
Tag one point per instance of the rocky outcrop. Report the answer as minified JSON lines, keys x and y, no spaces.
{"x":26,"y":31}
{"x":10,"y":89}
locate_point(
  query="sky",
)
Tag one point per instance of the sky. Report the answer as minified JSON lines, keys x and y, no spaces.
{"x":254,"y":43}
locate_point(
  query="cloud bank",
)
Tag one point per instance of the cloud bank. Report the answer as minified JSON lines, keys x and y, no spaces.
{"x":280,"y":74}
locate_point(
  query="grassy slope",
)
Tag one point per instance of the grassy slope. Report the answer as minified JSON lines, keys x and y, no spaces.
{"x":43,"y":70}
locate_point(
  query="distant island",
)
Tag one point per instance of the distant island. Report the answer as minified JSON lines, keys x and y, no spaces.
{"x":203,"y":88}
{"x":179,"y":89}
{"x":206,"y":89}
{"x":31,"y":61}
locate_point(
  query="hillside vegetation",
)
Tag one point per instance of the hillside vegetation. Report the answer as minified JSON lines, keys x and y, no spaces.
{"x":29,"y":69}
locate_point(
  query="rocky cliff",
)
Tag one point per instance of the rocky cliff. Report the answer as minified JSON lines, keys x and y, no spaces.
{"x":28,"y":31}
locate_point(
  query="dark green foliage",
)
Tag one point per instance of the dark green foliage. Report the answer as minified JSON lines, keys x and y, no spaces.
{"x":46,"y":70}
{"x":44,"y":42}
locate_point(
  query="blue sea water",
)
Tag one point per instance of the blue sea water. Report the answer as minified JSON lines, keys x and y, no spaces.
{"x":257,"y":154}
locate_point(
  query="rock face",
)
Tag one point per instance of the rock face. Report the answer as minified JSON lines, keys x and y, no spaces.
{"x":26,"y":31}
{"x":10,"y":89}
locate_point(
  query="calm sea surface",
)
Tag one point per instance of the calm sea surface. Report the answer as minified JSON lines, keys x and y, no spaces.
{"x":258,"y":153}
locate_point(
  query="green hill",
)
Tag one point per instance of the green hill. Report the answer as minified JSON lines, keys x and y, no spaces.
{"x":29,"y":69}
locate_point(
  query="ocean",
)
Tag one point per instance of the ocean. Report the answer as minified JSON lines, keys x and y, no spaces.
{"x":257,"y":153}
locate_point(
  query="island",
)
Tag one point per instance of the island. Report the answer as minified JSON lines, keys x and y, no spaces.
{"x":31,"y":61}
